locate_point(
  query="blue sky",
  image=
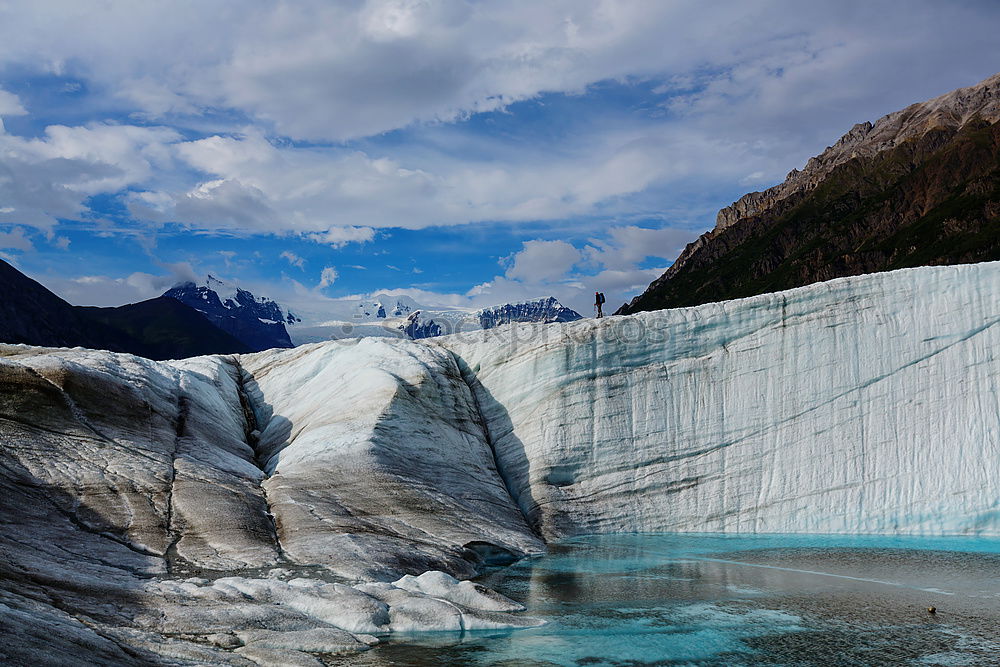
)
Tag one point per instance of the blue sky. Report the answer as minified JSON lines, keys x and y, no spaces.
{"x":465,"y":153}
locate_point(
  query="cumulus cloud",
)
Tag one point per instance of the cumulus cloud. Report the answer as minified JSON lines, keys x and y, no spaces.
{"x":338,"y":237}
{"x":15,"y":240}
{"x":626,"y":246}
{"x":327,"y":277}
{"x":315,"y":69}
{"x":542,"y":261}
{"x":51,"y":177}
{"x":294,"y":259}
{"x":104,"y":290}
{"x":10,"y":105}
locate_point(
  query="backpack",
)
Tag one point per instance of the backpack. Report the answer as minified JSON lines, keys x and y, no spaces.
{"x":600,"y":297}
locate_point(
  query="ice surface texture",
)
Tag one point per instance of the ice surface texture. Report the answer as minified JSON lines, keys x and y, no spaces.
{"x":863,"y":405}
{"x":325,"y":493}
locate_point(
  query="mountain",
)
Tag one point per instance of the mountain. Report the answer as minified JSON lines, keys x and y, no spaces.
{"x":386,"y":316}
{"x":259,"y":323}
{"x":920,"y":186}
{"x":31,"y":314}
{"x":159,"y":513}
{"x":429,"y":323}
{"x":383,"y":306}
{"x":157,"y":329}
{"x":167,"y":329}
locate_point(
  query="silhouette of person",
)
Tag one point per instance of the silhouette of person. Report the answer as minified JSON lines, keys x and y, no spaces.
{"x":599,"y":303}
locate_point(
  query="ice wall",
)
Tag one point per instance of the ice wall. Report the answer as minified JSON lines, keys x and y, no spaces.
{"x":378,"y":462}
{"x":865,"y":404}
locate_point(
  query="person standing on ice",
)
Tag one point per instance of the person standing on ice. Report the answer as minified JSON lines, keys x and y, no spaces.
{"x":598,"y":304}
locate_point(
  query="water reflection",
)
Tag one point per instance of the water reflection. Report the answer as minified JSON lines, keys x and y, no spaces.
{"x":631,"y":600}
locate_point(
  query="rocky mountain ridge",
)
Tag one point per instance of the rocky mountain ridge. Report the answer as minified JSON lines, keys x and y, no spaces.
{"x":952,"y":110}
{"x":919,"y":186}
{"x":159,"y":328}
{"x":258,"y":322}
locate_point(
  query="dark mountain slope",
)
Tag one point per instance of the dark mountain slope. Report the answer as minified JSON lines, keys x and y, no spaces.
{"x":258,"y":322}
{"x":167,"y":329}
{"x":926,"y":192}
{"x":868,"y":215}
{"x":160,"y":328}
{"x":31,"y":314}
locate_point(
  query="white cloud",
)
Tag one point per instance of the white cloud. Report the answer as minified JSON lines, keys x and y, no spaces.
{"x":51,"y":176}
{"x":749,"y":88}
{"x":746,"y":92}
{"x":294,"y":259}
{"x":338,"y":237}
{"x":608,"y":264}
{"x":15,"y":240}
{"x":10,"y":105}
{"x":315,"y":69}
{"x":327,"y":277}
{"x":103,"y":290}
{"x":626,"y":246}
{"x":542,"y":261}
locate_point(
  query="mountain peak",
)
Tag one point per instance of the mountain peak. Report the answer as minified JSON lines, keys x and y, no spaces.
{"x":952,"y":110}
{"x":919,"y":186}
{"x":257,"y":322}
{"x":428,"y":323}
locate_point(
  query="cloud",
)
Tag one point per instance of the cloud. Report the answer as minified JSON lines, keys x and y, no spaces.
{"x":626,"y":246}
{"x":50,"y":177}
{"x":293,"y":259}
{"x":10,"y":105}
{"x":542,"y":261}
{"x":15,"y":240}
{"x":338,"y":237}
{"x":103,"y":290}
{"x":327,"y":277}
{"x":748,"y":88}
{"x":335,"y":71}
{"x":608,"y":264}
{"x":332,"y":121}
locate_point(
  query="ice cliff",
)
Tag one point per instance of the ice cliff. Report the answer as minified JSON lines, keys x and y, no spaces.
{"x":293,"y":503}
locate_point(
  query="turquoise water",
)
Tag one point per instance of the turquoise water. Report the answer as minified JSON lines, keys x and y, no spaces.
{"x":632,"y":600}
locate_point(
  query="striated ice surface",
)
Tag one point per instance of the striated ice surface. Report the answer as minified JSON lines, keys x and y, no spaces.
{"x":378,"y":463}
{"x":292,"y":503}
{"x":863,"y":405}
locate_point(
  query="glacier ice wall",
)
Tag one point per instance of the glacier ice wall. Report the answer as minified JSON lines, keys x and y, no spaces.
{"x":865,"y":404}
{"x":378,"y":462}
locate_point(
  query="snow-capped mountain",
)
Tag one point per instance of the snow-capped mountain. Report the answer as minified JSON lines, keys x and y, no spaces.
{"x":258,"y":322}
{"x":383,"y":306}
{"x":429,"y":323}
{"x":375,"y":316}
{"x":384,"y":316}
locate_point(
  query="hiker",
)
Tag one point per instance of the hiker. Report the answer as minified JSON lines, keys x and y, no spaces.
{"x":599,"y":303}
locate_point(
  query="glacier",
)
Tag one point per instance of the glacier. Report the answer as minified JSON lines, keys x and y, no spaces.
{"x":297,"y":502}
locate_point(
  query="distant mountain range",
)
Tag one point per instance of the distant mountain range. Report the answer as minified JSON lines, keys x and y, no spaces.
{"x":160,"y":328}
{"x":217,"y":317}
{"x":429,"y":323}
{"x":920,"y":186}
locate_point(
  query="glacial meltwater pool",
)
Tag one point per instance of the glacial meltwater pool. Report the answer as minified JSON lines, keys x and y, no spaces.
{"x":631,"y":600}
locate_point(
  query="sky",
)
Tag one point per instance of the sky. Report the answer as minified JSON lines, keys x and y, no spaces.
{"x":464,"y":153}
